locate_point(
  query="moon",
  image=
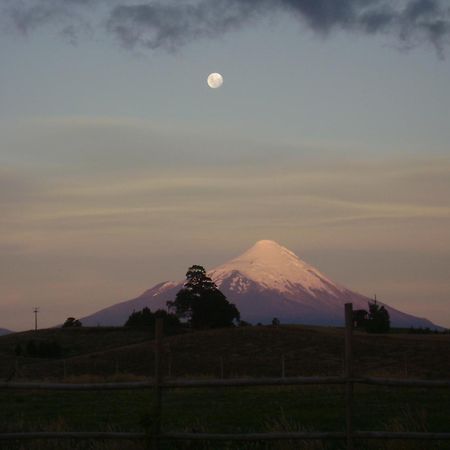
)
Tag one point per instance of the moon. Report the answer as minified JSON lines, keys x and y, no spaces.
{"x":215,"y":80}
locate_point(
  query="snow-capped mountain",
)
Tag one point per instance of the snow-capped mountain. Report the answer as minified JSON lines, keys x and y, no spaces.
{"x":274,"y":268}
{"x":266,"y":281}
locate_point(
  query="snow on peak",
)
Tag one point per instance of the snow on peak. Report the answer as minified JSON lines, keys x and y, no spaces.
{"x":273,"y":266}
{"x":268,"y":250}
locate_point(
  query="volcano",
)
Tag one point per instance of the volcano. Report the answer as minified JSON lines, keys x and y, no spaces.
{"x":266,"y":281}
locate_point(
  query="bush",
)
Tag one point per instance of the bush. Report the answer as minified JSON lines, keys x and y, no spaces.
{"x":71,"y":322}
{"x":145,"y":319}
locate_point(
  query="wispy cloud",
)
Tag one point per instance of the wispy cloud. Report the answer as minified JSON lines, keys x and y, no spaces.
{"x":300,"y":192}
{"x":171,"y":24}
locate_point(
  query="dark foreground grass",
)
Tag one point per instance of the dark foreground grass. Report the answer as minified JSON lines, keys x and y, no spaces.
{"x":229,"y":410}
{"x":96,"y":355}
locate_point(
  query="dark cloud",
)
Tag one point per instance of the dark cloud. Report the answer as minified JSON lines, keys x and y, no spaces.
{"x":170,"y":24}
{"x":25,"y":16}
{"x":163,"y":24}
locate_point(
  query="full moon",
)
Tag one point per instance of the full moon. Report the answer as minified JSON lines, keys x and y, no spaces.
{"x":215,"y":80}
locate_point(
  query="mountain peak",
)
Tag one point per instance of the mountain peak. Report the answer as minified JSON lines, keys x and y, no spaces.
{"x":266,"y":281}
{"x":268,"y":250}
{"x":274,"y":267}
{"x":266,"y":243}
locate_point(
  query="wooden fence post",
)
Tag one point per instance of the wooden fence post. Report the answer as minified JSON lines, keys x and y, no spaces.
{"x":348,"y":374}
{"x":158,"y":380}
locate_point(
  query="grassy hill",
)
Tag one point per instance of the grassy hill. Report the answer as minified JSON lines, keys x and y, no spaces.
{"x":74,"y":342}
{"x":248,"y":351}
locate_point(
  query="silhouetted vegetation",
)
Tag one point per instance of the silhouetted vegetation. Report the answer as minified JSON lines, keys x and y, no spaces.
{"x":71,"y":322}
{"x":378,"y":320}
{"x":145,"y":319}
{"x":202,"y":304}
{"x":360,"y":317}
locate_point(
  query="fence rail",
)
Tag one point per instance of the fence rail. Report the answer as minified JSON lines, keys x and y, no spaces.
{"x":158,"y":384}
{"x":230,"y":382}
{"x":306,"y":435}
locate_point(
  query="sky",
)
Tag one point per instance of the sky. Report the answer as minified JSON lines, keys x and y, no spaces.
{"x":120,"y":167}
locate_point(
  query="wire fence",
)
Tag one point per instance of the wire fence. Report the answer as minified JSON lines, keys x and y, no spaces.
{"x":156,"y":435}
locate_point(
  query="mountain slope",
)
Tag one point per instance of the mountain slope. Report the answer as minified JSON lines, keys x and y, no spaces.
{"x":266,"y":281}
{"x":4,"y":331}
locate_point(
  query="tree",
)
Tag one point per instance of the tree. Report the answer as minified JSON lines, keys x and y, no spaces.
{"x":141,"y":319}
{"x":360,"y":317}
{"x":197,"y":281}
{"x":71,"y":322}
{"x":201,"y":303}
{"x":275,"y":322}
{"x":146,"y":319}
{"x":378,"y":320}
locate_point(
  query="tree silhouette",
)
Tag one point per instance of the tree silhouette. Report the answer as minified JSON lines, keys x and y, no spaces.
{"x":201,"y":303}
{"x":378,"y":320}
{"x":146,"y":319}
{"x":71,"y":322}
{"x":360,"y":317}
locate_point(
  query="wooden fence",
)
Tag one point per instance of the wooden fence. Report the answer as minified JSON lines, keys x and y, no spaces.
{"x":159,"y":384}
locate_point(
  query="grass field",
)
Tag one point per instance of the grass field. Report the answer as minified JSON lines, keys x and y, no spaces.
{"x":249,"y":351}
{"x":254,"y":351}
{"x":230,"y":410}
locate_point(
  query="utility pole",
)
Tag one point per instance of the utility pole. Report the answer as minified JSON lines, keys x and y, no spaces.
{"x":35,"y":310}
